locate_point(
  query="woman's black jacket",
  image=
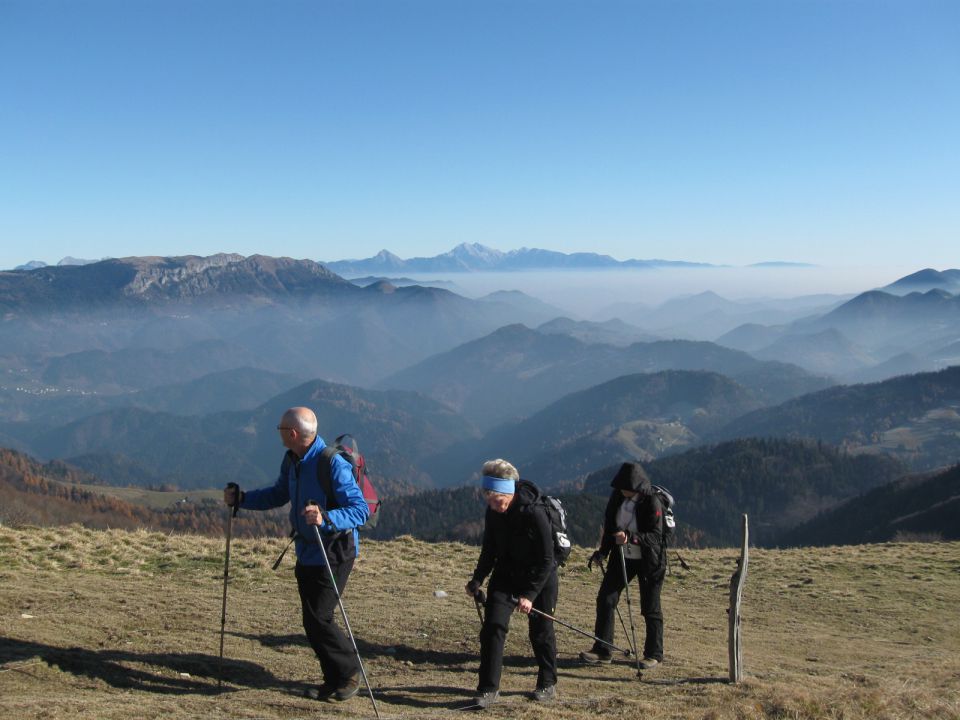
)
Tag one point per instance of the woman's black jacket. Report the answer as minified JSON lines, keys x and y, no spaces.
{"x":650,"y":529}
{"x":517,"y":545}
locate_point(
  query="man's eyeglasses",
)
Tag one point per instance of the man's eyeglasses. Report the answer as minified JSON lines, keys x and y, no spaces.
{"x":283,"y":427}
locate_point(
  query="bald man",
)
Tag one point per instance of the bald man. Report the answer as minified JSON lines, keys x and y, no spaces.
{"x":338,"y":518}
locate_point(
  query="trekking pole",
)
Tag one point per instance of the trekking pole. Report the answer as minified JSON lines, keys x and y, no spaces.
{"x":293,"y":537}
{"x":627,"y":653}
{"x":346,"y":622}
{"x":479,"y":599}
{"x":619,"y":614}
{"x":226,"y":576}
{"x":626,"y":589}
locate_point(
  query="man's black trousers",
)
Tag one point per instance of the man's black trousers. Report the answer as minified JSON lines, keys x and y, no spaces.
{"x":338,"y":661}
{"x":609,"y":596}
{"x":501,"y":603}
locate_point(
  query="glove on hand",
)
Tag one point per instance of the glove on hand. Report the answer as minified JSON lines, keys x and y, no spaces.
{"x":473,"y":586}
{"x":597,"y":558}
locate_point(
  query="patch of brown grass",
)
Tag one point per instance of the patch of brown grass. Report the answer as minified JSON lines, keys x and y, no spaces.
{"x":112,"y":624}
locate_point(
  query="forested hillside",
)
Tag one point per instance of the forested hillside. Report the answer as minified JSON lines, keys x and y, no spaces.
{"x":514,"y":372}
{"x":913,"y":417}
{"x":782,"y":485}
{"x":136,"y":446}
{"x":778,"y":483}
{"x":923,"y":507}
{"x":36,"y":494}
{"x":641,"y":415}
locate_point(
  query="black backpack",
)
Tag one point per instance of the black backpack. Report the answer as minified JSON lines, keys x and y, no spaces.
{"x":346,"y":447}
{"x":669,"y":521}
{"x":558,"y":524}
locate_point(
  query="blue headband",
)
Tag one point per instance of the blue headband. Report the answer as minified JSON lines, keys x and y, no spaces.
{"x":500,"y":485}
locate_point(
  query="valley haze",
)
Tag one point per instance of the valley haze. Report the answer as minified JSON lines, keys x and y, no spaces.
{"x":584,"y":291}
{"x":115,"y":367}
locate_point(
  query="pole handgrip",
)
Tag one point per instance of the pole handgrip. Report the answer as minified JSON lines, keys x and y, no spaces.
{"x":236,"y":497}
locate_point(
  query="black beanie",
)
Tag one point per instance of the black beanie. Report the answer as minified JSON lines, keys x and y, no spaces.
{"x":630,"y":476}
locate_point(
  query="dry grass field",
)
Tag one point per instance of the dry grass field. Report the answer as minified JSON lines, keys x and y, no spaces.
{"x":114,"y":625}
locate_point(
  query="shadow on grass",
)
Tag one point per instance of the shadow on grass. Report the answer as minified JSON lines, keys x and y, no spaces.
{"x":646,"y":677}
{"x":615,"y":673}
{"x":370,"y":650}
{"x":125,"y":669}
{"x":274,"y":641}
{"x":688,"y":681}
{"x":196,"y":673}
{"x":413,"y":696}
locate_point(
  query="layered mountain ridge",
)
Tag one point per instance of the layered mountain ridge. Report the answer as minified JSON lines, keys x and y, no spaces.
{"x":138,"y":281}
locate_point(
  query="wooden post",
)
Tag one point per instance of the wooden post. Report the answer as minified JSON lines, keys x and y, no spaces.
{"x":733,"y":613}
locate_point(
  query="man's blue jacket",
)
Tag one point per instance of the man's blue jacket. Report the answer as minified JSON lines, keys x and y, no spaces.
{"x":297,"y":483}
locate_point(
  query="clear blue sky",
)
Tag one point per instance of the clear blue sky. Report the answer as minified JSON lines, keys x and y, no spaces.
{"x":717,"y":131}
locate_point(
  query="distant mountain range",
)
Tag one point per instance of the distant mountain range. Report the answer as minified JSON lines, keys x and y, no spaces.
{"x":516,"y":371}
{"x":138,"y":281}
{"x":227,"y":390}
{"x":869,"y":337}
{"x":126,"y":323}
{"x":640,"y":416}
{"x":173,"y":370}
{"x":926,"y":280}
{"x":406,"y":282}
{"x":34,"y":264}
{"x":610,"y":332}
{"x":132,"y":445}
{"x":873,"y":336}
{"x":412,"y":441}
{"x":707,"y":315}
{"x":474,"y":257}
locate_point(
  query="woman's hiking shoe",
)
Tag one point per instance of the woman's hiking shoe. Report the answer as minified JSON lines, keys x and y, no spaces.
{"x":486,"y":699}
{"x":321,"y":692}
{"x":545,"y":694}
{"x":594,"y":658}
{"x":648,"y":662}
{"x":347,"y":689}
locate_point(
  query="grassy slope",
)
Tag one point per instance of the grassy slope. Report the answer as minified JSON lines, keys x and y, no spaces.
{"x":127,"y":625}
{"x":153,"y":499}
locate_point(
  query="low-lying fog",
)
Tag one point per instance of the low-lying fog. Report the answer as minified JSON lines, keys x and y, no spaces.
{"x":585,"y":293}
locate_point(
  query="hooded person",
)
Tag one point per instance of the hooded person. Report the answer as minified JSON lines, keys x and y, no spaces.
{"x":517,"y":553}
{"x":633,"y":523}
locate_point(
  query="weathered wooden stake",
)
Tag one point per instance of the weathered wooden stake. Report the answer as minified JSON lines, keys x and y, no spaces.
{"x":733,"y":613}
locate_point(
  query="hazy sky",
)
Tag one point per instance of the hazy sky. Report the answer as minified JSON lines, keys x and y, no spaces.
{"x":720,"y":131}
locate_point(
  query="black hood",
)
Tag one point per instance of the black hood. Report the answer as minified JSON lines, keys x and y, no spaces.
{"x":527,"y":492}
{"x":631,"y":476}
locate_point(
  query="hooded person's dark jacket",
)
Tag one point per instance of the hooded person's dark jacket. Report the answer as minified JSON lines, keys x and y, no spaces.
{"x":650,"y":522}
{"x":517,"y":545}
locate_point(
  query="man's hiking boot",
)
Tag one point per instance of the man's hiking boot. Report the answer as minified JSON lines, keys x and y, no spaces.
{"x":590,"y":657}
{"x":347,"y":689}
{"x":648,"y":662}
{"x":320,"y":692}
{"x":486,"y":699}
{"x":545,"y":694}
